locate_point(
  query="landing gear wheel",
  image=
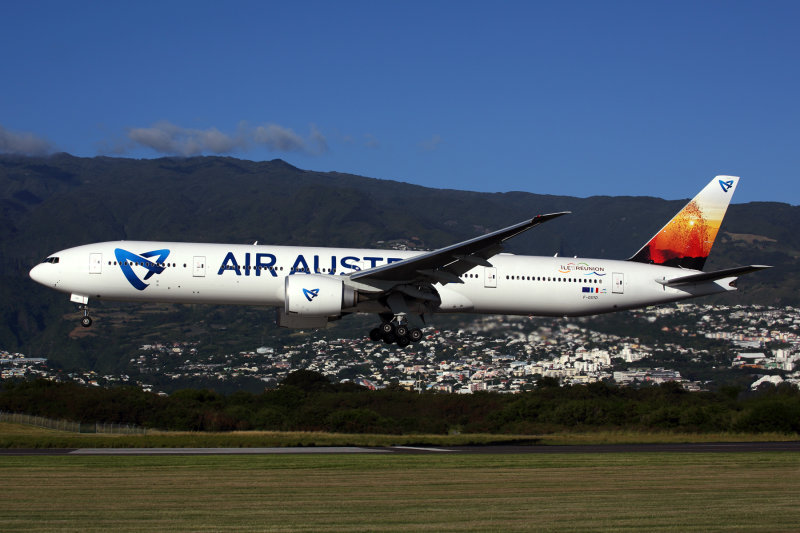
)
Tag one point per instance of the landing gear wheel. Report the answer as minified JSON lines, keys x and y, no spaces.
{"x":403,"y":341}
{"x":375,"y":334}
{"x":415,"y":335}
{"x":86,"y":321}
{"x":387,"y":328}
{"x":401,"y":331}
{"x":389,"y":338}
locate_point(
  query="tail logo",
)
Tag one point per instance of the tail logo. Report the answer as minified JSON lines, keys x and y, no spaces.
{"x":127,"y":260}
{"x":685,"y":241}
{"x":310,"y":294}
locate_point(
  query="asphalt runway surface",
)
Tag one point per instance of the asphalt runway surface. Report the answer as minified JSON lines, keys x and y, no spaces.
{"x":721,"y":447}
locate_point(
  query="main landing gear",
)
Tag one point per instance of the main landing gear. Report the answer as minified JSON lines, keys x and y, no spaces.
{"x":86,"y":320}
{"x":399,"y":333}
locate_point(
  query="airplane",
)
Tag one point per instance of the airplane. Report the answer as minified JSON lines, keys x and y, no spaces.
{"x":311,"y":286}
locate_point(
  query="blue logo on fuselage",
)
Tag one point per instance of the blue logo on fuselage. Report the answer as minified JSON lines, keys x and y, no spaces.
{"x":127,"y":260}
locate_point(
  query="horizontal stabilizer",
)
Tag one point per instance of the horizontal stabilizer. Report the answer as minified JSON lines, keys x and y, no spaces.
{"x":711,"y":276}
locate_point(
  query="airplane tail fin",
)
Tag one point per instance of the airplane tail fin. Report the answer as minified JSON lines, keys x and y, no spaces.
{"x":686,"y":240}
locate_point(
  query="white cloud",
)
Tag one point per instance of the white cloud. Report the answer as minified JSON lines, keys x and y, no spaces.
{"x":12,"y":142}
{"x":431,"y":144}
{"x":278,"y":138}
{"x":318,"y":141}
{"x":167,"y":138}
{"x":371,"y":142}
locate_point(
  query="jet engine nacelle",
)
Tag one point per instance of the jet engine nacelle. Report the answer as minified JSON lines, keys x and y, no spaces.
{"x":312,"y":295}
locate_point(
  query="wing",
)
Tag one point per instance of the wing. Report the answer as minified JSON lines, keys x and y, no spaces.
{"x":711,"y":276}
{"x":445,"y":265}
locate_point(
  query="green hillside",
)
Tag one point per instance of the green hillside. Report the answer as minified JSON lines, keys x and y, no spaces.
{"x":47,"y":204}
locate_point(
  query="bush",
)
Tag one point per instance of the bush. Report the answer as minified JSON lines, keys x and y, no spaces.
{"x":780,"y":415}
{"x":359,"y":421}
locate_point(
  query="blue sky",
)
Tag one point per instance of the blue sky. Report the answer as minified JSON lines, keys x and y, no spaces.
{"x":569,"y":98}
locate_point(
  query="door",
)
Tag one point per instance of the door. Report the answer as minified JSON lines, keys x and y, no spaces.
{"x":199,"y":267}
{"x":490,"y":277}
{"x":95,"y":263}
{"x":618,"y":280}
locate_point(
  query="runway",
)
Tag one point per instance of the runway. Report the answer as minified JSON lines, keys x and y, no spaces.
{"x":721,"y":447}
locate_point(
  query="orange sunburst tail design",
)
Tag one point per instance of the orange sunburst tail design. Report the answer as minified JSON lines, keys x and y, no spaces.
{"x":686,"y":240}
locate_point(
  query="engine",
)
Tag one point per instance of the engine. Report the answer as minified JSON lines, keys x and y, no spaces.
{"x":317,"y":296}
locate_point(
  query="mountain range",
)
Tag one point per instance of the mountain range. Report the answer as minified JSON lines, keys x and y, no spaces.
{"x":51,"y":203}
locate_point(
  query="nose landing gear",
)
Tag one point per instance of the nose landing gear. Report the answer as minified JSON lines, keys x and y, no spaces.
{"x":86,"y":320}
{"x":83,"y":305}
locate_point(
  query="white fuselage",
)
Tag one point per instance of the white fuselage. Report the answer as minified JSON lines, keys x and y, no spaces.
{"x":255,"y":275}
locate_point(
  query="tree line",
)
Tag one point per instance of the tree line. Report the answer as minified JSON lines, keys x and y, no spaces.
{"x":308,"y":401}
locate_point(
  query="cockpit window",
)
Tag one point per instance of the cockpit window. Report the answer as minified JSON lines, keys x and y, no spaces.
{"x":53,"y":260}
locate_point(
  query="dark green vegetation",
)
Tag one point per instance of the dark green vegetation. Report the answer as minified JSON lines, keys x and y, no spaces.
{"x":47,"y":204}
{"x":564,"y":492}
{"x":306,"y":401}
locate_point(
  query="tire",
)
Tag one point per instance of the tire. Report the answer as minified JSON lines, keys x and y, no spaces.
{"x":401,"y":331}
{"x":387,"y":328}
{"x":415,"y":335}
{"x":403,"y":341}
{"x":86,"y":321}
{"x":389,"y":338}
{"x":375,"y":334}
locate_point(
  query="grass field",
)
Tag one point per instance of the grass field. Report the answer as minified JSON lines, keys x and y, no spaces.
{"x":385,"y":492}
{"x":21,"y":436}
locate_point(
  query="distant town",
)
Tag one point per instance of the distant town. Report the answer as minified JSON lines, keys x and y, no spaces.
{"x":498,"y":353}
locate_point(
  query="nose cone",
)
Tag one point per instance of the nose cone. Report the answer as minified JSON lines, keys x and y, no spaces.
{"x":43,"y":273}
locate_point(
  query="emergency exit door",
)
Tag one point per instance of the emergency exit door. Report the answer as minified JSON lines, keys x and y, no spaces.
{"x":95,"y":263}
{"x":490,"y":277}
{"x":618,"y":281}
{"x":199,"y":267}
